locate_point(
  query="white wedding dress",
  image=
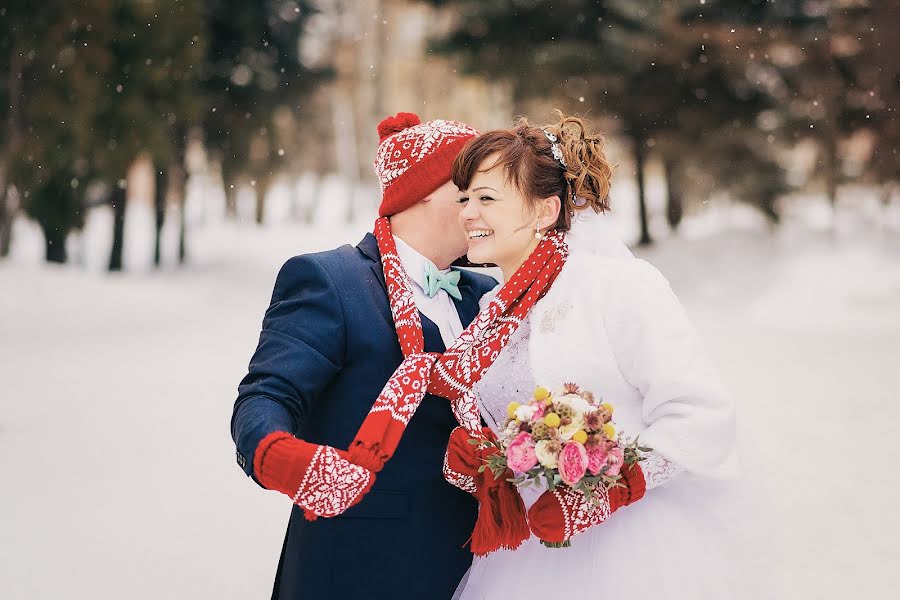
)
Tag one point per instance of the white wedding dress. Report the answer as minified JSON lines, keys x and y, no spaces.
{"x":611,"y":325}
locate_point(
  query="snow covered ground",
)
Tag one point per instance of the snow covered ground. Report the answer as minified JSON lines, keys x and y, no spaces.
{"x":118,"y":475}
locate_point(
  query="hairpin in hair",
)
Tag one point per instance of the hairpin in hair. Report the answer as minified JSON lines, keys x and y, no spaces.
{"x":555,"y":149}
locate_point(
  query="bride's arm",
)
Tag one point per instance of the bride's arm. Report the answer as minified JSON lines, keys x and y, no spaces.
{"x":689,"y":416}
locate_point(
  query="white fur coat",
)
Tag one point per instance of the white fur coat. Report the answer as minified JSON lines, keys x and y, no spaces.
{"x":612,"y":325}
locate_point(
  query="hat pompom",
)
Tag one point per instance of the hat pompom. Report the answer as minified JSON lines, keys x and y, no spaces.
{"x":396,"y":124}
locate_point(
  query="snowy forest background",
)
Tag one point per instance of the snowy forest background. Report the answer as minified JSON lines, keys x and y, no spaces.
{"x":160,"y":160}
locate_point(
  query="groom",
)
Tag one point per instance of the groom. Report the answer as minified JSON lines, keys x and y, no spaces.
{"x":328,"y":346}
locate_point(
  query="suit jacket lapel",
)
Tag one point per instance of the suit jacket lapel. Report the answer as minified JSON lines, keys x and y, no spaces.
{"x":467,"y":307}
{"x":369,"y":247}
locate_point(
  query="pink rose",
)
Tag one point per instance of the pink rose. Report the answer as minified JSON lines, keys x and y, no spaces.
{"x":539,"y":413}
{"x":573,"y":461}
{"x":596,"y":458}
{"x":520,"y":455}
{"x":614,"y":461}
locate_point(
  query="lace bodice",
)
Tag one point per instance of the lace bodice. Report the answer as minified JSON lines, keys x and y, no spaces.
{"x":509,"y":378}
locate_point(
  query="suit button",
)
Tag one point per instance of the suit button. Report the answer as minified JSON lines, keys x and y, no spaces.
{"x":241,"y":460}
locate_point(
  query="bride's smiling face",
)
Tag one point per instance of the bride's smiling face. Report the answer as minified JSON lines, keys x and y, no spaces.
{"x":499,"y":222}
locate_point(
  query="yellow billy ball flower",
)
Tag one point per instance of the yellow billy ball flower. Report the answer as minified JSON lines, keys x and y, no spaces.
{"x":609,"y":431}
{"x":511,"y":409}
{"x":541,"y":393}
{"x":580,"y":436}
{"x":607,"y":406}
{"x":551,"y":420}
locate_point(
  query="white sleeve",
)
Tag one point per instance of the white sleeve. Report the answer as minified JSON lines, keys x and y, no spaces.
{"x":690,"y":420}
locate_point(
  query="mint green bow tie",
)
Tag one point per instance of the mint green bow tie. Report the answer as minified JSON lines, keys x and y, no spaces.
{"x":435,"y":280}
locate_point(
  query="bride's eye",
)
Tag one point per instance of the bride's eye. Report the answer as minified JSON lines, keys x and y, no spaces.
{"x":486,"y":198}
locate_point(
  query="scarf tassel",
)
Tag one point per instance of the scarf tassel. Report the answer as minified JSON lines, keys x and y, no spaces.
{"x":501,"y":522}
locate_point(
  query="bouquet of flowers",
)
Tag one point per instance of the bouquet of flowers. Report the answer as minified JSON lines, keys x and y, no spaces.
{"x":566,"y":438}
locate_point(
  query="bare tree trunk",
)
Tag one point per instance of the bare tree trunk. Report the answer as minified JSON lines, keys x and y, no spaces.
{"x":887,"y":159}
{"x":262,"y":189}
{"x":831,"y":168}
{"x":117,"y":200}
{"x":381,"y":38}
{"x":14,"y":140}
{"x":368,"y":85}
{"x":345,"y":111}
{"x":767,"y":205}
{"x":7,"y":214}
{"x":182,"y":227}
{"x":887,"y":194}
{"x":675,"y":200}
{"x":179,"y":174}
{"x":159,"y":205}
{"x":231,"y":192}
{"x":640,"y":159}
{"x":54,"y":245}
{"x":345,"y":142}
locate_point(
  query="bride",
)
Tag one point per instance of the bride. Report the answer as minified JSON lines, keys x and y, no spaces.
{"x":610,"y":324}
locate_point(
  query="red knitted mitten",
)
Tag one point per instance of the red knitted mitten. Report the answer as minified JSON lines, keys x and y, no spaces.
{"x":319,"y":479}
{"x":564,"y":512}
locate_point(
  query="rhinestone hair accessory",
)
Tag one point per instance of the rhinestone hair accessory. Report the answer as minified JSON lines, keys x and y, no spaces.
{"x":558,"y":156}
{"x":555,"y":149}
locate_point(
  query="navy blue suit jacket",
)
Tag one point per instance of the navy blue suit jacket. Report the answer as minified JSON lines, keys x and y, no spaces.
{"x":327,"y":347}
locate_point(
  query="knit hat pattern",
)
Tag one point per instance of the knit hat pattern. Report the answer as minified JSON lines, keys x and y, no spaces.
{"x":415,"y":158}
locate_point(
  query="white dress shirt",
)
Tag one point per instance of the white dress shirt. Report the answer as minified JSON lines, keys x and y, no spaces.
{"x":440,"y":307}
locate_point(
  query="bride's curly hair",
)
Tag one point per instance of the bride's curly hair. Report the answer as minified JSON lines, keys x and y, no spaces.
{"x":526,"y":153}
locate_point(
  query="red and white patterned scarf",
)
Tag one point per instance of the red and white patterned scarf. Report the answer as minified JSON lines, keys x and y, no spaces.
{"x":501,"y":521}
{"x":454,"y":373}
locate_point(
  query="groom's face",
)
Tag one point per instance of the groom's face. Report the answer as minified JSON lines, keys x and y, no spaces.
{"x":443,"y":212}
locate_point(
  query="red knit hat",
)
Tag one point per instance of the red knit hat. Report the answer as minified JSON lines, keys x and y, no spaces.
{"x":414,"y":158}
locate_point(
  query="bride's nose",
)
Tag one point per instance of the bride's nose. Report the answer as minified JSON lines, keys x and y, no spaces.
{"x":469,"y":212}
